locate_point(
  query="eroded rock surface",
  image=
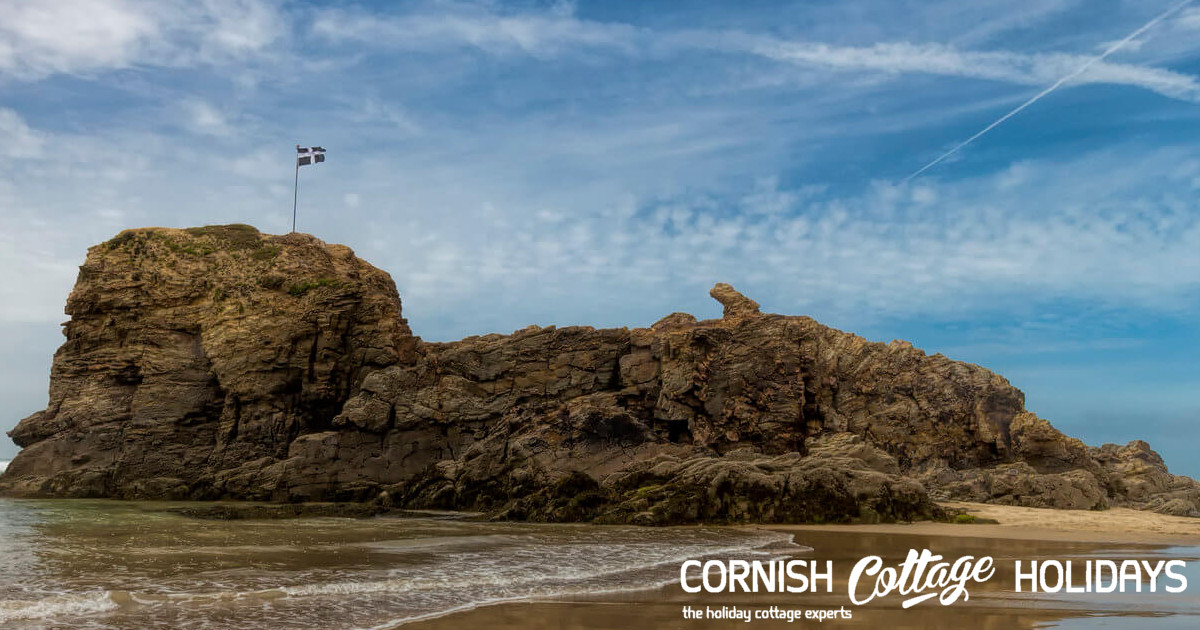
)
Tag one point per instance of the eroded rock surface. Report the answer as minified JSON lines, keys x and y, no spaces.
{"x":222,"y":363}
{"x":192,"y":354}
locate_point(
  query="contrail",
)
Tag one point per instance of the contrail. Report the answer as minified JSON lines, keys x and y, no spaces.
{"x":1037,"y":97}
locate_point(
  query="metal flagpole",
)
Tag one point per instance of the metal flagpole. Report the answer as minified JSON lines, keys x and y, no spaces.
{"x":296,"y":187}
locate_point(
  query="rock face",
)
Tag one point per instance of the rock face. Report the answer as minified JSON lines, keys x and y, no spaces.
{"x":193,"y":354}
{"x":222,"y":363}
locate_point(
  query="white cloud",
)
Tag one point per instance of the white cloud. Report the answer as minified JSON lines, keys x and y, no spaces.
{"x":1091,"y":229}
{"x":265,"y":163}
{"x":78,"y":36}
{"x":42,"y":267}
{"x":19,"y":141}
{"x":234,"y":28}
{"x":552,"y":33}
{"x":1009,"y":67}
{"x":1188,"y":19}
{"x":39,"y":38}
{"x":374,"y":111}
{"x":202,"y":117}
{"x":540,"y":34}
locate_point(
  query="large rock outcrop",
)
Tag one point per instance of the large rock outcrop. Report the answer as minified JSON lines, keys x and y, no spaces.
{"x":191,"y":354}
{"x":222,"y":363}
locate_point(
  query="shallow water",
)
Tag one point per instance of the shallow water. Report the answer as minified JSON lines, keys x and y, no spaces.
{"x":992,"y":605}
{"x":105,"y":564}
{"x":108,"y":564}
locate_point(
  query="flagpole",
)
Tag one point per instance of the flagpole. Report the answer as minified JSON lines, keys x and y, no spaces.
{"x":295,"y":188}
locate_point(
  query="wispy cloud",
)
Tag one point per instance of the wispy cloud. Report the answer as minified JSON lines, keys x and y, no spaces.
{"x":558,"y":32}
{"x":1008,"y":67}
{"x":20,"y":141}
{"x":39,"y":38}
{"x":374,"y":111}
{"x":1090,"y":229}
{"x":202,"y":117}
{"x":542,"y":33}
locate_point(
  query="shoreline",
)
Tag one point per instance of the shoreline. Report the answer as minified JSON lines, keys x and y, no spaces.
{"x":1045,"y":529}
{"x":1111,"y":526}
{"x":355,"y":561}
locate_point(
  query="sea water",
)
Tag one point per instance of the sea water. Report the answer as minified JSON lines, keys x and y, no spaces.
{"x":108,"y":564}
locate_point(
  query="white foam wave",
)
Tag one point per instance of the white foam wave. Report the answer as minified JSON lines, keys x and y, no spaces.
{"x":529,"y":565}
{"x":411,"y":545}
{"x":3,"y":465}
{"x":483,"y":603}
{"x":464,"y":581}
{"x":58,"y":605}
{"x":551,"y":593}
{"x":439,"y":575}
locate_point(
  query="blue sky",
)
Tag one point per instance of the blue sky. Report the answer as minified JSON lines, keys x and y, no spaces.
{"x":605,"y":163}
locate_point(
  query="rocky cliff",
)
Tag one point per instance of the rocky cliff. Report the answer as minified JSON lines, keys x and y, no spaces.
{"x":222,"y":363}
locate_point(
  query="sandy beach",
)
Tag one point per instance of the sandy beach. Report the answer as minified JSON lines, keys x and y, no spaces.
{"x":1116,"y":525}
{"x":1044,"y":533}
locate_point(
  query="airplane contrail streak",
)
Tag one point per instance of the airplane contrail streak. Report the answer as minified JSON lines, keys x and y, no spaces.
{"x":1037,"y":97}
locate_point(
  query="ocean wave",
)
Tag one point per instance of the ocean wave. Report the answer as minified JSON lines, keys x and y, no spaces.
{"x":426,"y":543}
{"x":58,"y":605}
{"x":437,"y":575}
{"x":465,"y":581}
{"x":391,"y":624}
{"x":568,"y":590}
{"x":534,"y":564}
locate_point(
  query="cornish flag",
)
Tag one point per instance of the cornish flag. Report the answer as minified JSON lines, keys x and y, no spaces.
{"x":306,"y":156}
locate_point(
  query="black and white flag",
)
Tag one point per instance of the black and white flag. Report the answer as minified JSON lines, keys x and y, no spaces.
{"x":306,"y":156}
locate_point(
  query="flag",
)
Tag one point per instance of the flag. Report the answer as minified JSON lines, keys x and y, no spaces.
{"x":306,"y":156}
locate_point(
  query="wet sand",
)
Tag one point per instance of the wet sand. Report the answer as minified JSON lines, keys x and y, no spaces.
{"x":1021,"y":533}
{"x":1117,"y":525}
{"x":631,"y":615}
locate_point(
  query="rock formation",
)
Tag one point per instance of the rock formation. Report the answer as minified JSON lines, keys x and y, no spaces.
{"x":196,"y":352}
{"x":222,"y":363}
